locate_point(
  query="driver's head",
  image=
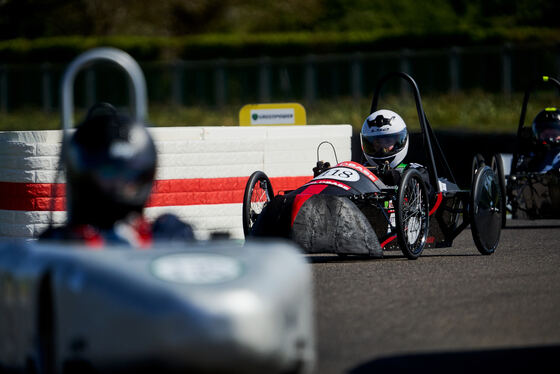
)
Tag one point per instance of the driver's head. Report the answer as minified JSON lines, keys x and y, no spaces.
{"x":546,"y":127}
{"x":384,"y":138}
{"x":110,"y":164}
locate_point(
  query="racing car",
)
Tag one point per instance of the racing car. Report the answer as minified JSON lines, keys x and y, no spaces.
{"x":207,"y":307}
{"x":219,"y":306}
{"x":531,"y":189}
{"x":348,"y":210}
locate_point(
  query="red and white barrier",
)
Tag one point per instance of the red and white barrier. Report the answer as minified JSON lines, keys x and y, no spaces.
{"x":201,"y":175}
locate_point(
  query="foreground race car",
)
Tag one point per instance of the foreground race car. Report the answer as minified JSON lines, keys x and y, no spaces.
{"x":347,"y":209}
{"x":215,"y":307}
{"x":179,"y":306}
{"x":527,"y":192}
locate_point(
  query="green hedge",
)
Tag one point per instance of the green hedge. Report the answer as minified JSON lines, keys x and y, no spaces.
{"x":208,"y":46}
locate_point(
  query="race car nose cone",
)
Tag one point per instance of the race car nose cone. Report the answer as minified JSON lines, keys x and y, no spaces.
{"x":328,"y":223}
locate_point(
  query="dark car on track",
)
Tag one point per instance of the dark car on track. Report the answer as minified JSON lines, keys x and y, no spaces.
{"x":530,"y":184}
{"x":348,"y":209}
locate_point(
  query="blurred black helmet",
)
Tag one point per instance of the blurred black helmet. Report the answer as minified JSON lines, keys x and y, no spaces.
{"x":546,"y":127}
{"x":110,"y":165}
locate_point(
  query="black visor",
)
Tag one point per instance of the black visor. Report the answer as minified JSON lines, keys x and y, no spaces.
{"x":380,"y":146}
{"x":547,"y":132}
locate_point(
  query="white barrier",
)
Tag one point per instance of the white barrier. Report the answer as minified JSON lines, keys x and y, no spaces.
{"x":201,"y":172}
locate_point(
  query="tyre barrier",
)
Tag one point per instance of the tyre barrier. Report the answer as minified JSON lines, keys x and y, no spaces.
{"x":201,"y":174}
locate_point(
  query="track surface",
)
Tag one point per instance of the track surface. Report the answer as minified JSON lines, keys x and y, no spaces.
{"x":452,"y":310}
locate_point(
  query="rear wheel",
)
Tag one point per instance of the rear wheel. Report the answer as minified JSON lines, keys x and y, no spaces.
{"x":412,"y":213}
{"x":497,"y":167}
{"x":258,"y":193}
{"x":485,"y":211}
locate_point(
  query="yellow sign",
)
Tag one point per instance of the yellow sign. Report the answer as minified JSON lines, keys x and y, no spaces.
{"x":272,"y":114}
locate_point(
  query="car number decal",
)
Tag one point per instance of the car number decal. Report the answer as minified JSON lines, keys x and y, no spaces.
{"x":196,"y":268}
{"x":341,"y":174}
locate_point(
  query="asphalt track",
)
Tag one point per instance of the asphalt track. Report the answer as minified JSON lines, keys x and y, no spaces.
{"x":452,"y":310}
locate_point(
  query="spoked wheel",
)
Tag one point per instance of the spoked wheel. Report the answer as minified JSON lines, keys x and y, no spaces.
{"x":477,"y":163}
{"x":412,"y":213}
{"x":497,"y":166}
{"x":485,"y":211}
{"x":258,"y":193}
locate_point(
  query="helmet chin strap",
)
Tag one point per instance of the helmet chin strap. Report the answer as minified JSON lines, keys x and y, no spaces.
{"x":380,"y":163}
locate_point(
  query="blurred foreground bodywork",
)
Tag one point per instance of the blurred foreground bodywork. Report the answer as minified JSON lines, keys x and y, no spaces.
{"x":218,"y":307}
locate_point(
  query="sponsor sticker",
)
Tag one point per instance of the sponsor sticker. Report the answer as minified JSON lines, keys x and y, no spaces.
{"x":330,"y":182}
{"x":272,"y":117}
{"x":196,"y":268}
{"x":272,"y":114}
{"x":362,"y":169}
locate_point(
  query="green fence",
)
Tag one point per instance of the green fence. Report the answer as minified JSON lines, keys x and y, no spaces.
{"x":220,"y":82}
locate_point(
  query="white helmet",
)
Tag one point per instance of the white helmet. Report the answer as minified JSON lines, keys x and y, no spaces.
{"x":384,"y":138}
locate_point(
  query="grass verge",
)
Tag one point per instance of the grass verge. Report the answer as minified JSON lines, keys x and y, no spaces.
{"x":475,"y":111}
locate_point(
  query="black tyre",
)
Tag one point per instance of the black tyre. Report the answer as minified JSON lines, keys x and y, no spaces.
{"x":477,"y":162}
{"x":485,"y":211}
{"x":497,"y":166}
{"x":412,"y":214}
{"x":258,"y":192}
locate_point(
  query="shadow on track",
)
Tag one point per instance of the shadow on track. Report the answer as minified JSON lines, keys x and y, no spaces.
{"x":393,"y":256}
{"x":526,"y":224}
{"x":335,"y":259}
{"x":517,"y":360}
{"x":531,"y":227}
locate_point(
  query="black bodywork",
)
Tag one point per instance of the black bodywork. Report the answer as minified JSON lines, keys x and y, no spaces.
{"x":531,"y":194}
{"x":362,"y":215}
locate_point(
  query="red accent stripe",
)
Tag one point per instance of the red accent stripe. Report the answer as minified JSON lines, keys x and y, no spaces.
{"x":438,"y":202}
{"x":171,"y":192}
{"x":361,"y":168}
{"x":388,"y":240}
{"x":303,"y":196}
{"x":330,"y":182}
{"x":91,"y":237}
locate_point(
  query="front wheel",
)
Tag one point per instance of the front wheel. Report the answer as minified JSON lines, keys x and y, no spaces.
{"x":258,"y":193}
{"x":497,"y":166}
{"x":412,"y":214}
{"x":486,"y":211}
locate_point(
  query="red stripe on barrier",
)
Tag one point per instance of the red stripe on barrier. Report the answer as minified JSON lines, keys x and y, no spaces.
{"x":32,"y":196}
{"x":170,"y":192}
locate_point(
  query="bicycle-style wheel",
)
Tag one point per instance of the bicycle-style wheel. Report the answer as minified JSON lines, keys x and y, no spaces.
{"x":412,"y":214}
{"x":258,"y":192}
